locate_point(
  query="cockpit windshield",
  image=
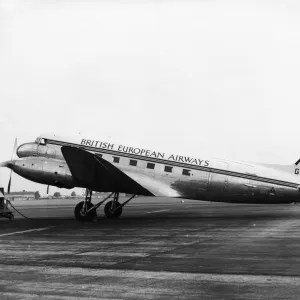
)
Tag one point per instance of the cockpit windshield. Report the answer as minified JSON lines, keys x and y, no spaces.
{"x":40,"y":141}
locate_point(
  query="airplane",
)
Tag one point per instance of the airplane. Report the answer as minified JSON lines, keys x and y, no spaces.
{"x":103,"y":166}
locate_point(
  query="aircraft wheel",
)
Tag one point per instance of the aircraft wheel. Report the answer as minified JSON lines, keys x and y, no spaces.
{"x":81,"y":216}
{"x":113,"y":213}
{"x":11,"y":217}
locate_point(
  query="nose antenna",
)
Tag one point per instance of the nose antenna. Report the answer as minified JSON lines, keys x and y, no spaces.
{"x":13,"y":156}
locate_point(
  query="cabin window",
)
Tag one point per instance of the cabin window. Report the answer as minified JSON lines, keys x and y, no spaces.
{"x":168,"y":169}
{"x":150,"y":166}
{"x":186,"y":172}
{"x":133,"y":162}
{"x":116,"y":159}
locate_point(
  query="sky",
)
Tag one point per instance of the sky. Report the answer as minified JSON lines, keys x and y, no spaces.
{"x":218,"y":78}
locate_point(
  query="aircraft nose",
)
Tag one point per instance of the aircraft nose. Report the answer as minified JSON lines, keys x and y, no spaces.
{"x":25,"y":150}
{"x":18,"y":151}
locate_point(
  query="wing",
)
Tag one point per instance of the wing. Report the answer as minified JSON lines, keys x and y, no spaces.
{"x":97,"y":174}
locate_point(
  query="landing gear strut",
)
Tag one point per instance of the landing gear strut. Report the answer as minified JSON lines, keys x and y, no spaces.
{"x":85,"y":211}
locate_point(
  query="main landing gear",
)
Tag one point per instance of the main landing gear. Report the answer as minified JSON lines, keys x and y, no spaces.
{"x":85,"y":211}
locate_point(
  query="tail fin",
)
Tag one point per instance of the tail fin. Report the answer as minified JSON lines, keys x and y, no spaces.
{"x":293,"y":169}
{"x":297,"y":167}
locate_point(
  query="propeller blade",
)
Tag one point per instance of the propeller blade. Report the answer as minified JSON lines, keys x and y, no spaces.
{"x":48,"y":189}
{"x":12,"y":158}
{"x":14,"y":149}
{"x":9,"y":182}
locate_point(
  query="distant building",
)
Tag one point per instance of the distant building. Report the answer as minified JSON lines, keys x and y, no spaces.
{"x":46,"y":196}
{"x":104,"y":194}
{"x":98,"y":195}
{"x":21,"y":195}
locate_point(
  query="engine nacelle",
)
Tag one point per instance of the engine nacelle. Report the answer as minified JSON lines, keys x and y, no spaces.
{"x":46,"y":171}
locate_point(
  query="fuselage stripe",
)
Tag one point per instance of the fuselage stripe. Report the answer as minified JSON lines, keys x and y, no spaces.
{"x":178,"y":164}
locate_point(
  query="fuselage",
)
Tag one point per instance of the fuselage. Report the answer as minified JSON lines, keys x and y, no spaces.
{"x":179,"y":176}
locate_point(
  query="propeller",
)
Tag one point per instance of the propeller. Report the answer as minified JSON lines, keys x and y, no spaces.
{"x":12,"y":158}
{"x":48,"y":189}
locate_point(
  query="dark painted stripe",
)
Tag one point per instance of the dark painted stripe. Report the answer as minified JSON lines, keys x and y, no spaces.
{"x":179,"y":164}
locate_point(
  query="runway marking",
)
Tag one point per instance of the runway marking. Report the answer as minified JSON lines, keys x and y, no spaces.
{"x":29,"y":230}
{"x":114,"y":254}
{"x":246,"y":279}
{"x":155,"y":211}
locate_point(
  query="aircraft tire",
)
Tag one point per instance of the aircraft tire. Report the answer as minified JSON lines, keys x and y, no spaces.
{"x":87,"y":217}
{"x":113,"y":213}
{"x":11,"y":217}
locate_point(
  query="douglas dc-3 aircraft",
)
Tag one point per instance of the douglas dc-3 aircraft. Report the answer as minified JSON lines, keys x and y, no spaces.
{"x":107,"y":167}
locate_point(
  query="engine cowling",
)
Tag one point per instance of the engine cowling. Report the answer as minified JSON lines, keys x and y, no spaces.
{"x":46,"y":171}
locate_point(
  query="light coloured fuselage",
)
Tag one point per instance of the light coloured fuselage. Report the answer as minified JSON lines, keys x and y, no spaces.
{"x":163,"y":174}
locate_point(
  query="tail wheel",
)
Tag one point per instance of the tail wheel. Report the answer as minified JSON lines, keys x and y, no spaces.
{"x":113,"y":210}
{"x":81,"y":216}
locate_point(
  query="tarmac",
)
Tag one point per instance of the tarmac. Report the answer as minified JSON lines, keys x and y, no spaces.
{"x":158,"y":249}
